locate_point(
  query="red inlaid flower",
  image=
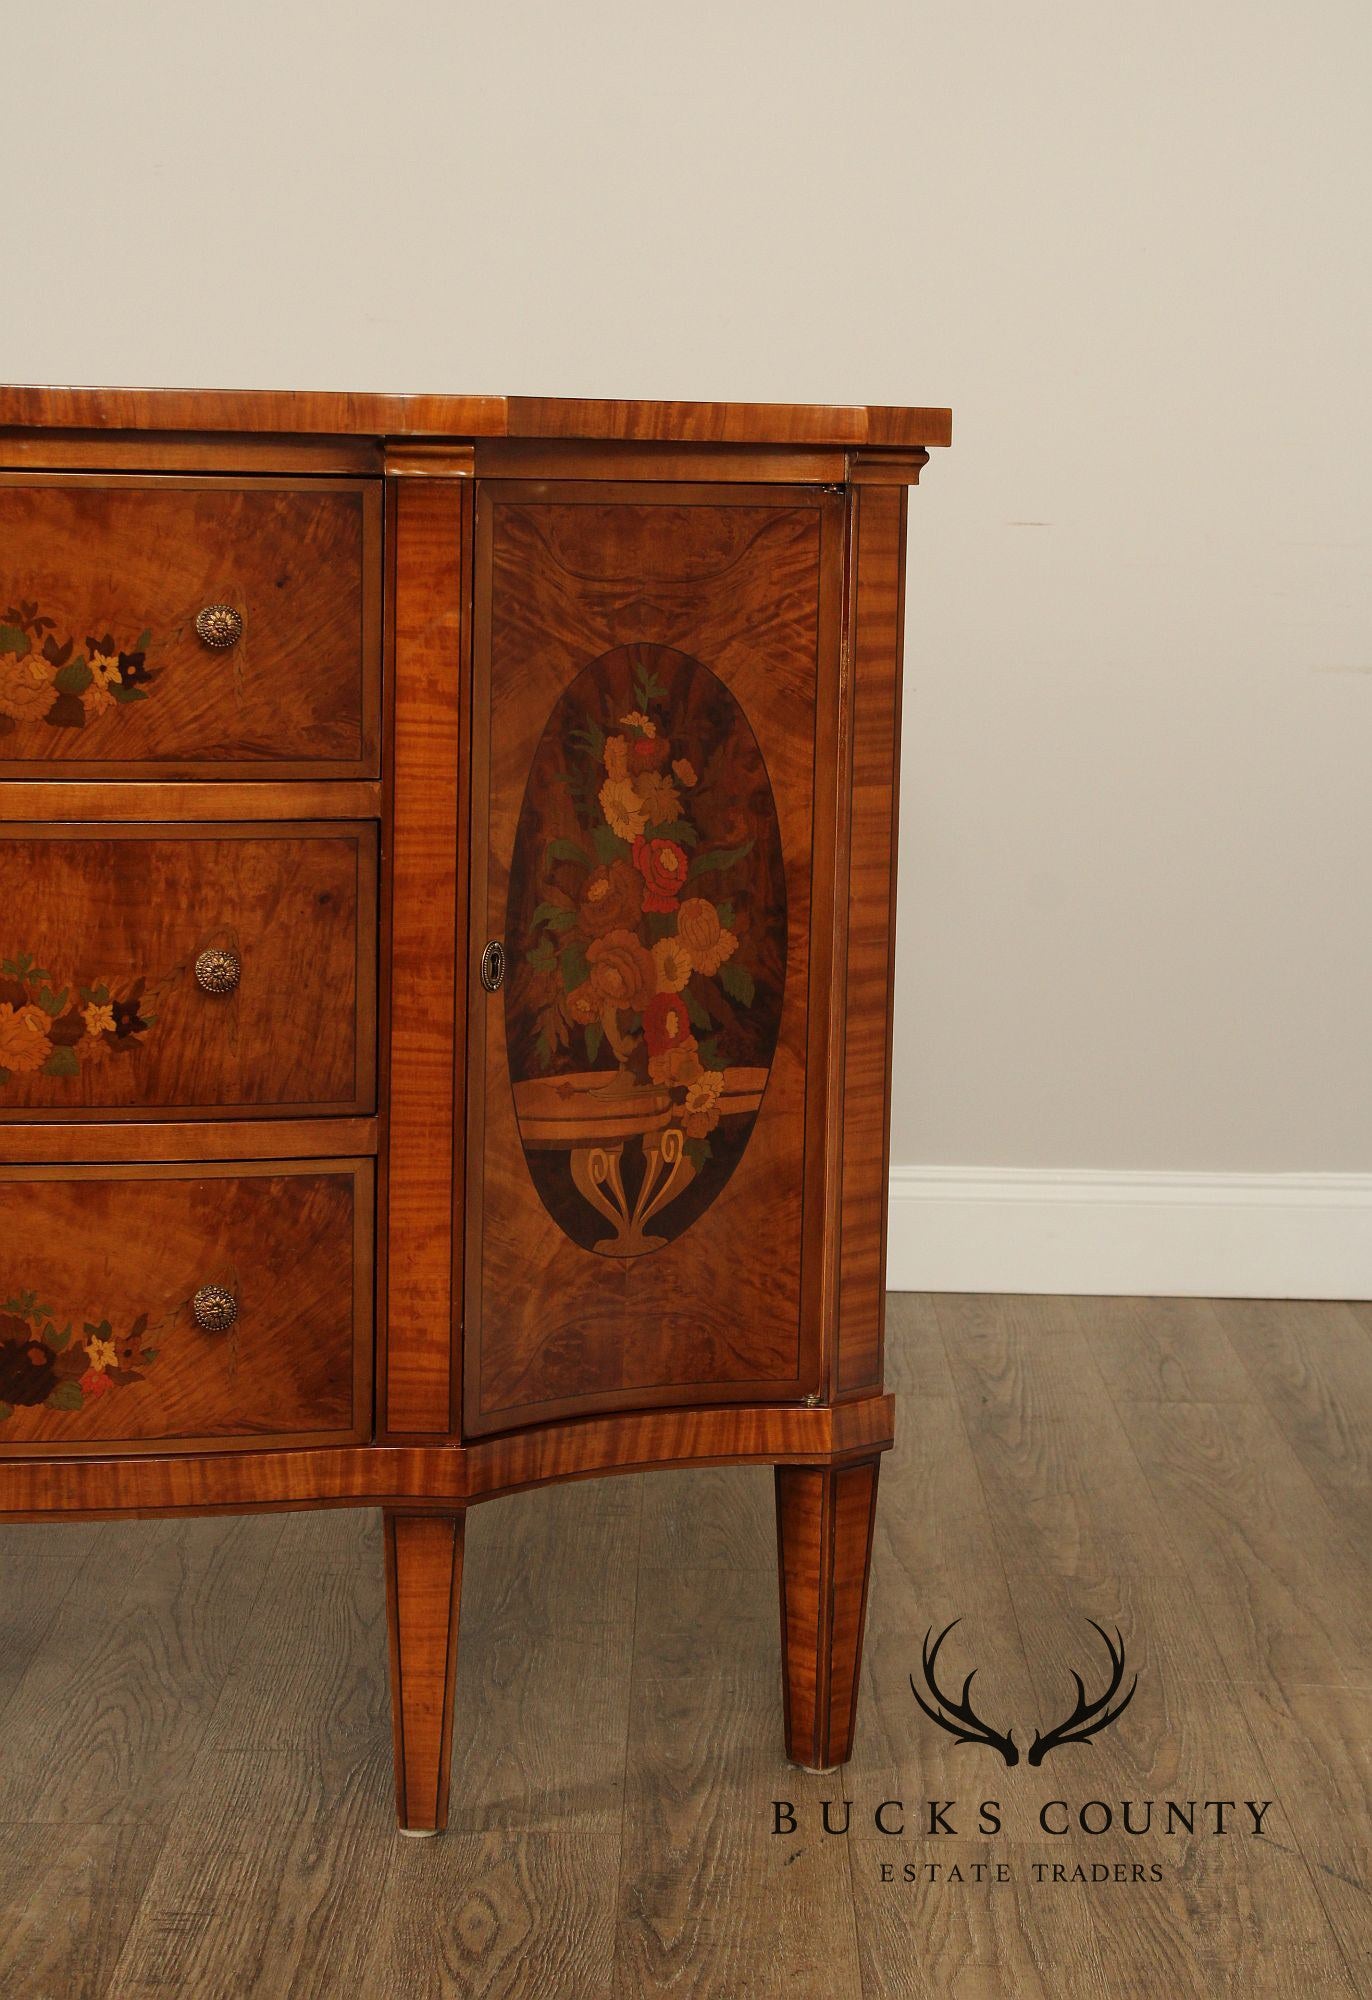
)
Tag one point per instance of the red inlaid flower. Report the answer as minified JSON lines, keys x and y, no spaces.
{"x":666,"y":1024}
{"x":648,"y":753}
{"x":662,"y":864}
{"x":95,"y":1383}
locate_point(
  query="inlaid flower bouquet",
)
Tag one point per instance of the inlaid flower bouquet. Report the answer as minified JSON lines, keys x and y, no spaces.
{"x":44,"y":678}
{"x":647,"y":932}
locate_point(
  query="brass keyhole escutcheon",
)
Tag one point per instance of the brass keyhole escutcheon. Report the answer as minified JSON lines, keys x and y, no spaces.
{"x":493,"y":966}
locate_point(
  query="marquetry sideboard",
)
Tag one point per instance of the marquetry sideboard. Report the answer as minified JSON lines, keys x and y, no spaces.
{"x":447,"y":856}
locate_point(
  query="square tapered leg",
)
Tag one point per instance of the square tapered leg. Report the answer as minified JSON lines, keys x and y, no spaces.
{"x":423,"y":1591}
{"x":824,"y":1550}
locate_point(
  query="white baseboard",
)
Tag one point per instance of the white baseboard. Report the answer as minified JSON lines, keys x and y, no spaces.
{"x":1029,"y":1229}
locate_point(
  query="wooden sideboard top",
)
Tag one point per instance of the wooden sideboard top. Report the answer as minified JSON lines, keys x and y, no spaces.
{"x":334,"y":413}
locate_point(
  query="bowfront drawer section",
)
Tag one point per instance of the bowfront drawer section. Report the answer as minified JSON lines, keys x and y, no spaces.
{"x":171,"y":971}
{"x":198,"y":627}
{"x":148,"y":1307}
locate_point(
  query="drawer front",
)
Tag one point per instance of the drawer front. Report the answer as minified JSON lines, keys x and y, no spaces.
{"x":159,"y":972}
{"x":103,"y":668}
{"x":101,"y":1269}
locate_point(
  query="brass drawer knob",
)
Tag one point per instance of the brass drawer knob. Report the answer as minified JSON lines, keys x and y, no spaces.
{"x":218,"y":971}
{"x":219,"y":626}
{"x":215,"y":1309}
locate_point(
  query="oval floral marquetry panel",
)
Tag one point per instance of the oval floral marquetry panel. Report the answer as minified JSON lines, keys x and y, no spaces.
{"x":646,"y":933}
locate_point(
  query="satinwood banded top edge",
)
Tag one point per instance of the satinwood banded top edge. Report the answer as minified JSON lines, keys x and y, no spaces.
{"x":339,"y":414}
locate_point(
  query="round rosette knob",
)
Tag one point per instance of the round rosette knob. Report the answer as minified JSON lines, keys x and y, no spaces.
{"x":219,"y":626}
{"x":218,"y":970}
{"x":215,"y":1309}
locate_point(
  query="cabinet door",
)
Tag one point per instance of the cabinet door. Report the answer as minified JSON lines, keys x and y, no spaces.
{"x":653,"y":779}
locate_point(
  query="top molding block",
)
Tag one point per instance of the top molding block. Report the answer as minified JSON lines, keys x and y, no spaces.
{"x":301,"y":412}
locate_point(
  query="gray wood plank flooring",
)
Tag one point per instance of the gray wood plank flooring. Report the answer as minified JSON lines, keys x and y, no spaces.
{"x":195,"y":1748}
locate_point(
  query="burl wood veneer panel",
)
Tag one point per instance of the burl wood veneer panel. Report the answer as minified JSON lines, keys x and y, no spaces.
{"x":101,"y":1012}
{"x":101,"y":668}
{"x":98,"y":1340}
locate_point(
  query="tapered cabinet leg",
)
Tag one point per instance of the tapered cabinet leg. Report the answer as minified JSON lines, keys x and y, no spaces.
{"x":423,"y":1590}
{"x":824,"y":1550}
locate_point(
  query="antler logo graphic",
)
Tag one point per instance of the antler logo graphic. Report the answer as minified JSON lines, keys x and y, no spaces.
{"x":964,"y":1725}
{"x":1088,"y":1717}
{"x":961,"y":1721}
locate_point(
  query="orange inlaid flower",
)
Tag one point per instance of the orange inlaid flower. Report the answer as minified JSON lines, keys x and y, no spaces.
{"x":702,"y":934}
{"x":24,"y":1043}
{"x":673,"y":965}
{"x":99,"y":1020}
{"x":582,"y":1005}
{"x":700,"y":1113}
{"x":684,"y":771}
{"x":623,"y":808}
{"x":680,"y":1065}
{"x":622,"y":974}
{"x":26,"y":687}
{"x":661,"y":799}
{"x":612,"y":899}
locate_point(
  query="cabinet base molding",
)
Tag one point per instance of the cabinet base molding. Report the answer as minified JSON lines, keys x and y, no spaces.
{"x":448,"y":1475}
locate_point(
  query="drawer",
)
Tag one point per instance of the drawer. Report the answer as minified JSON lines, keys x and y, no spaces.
{"x":198,"y":627}
{"x":157,"y":972}
{"x":169,"y":1306}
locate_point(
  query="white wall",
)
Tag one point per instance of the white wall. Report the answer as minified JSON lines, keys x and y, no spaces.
{"x":1130,"y":246}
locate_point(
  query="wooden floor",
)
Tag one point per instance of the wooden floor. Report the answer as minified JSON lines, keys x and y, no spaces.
{"x":195,"y":1785}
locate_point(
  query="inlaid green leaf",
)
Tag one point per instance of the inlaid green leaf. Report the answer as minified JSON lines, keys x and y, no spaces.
{"x":62,"y":1062}
{"x":52,"y":1003}
{"x":699,"y":1017}
{"x":125,"y":694}
{"x":573,"y":966}
{"x":58,"y":1342}
{"x":74,"y":678}
{"x":679,"y":830}
{"x":567,"y":850}
{"x":143,"y":641}
{"x":737,"y":982}
{"x":725,"y":913}
{"x":595,"y":1035}
{"x":608,"y":845}
{"x":66,"y":1396}
{"x":13,"y":640}
{"x":723,"y":857}
{"x":699,"y":1152}
{"x":151,"y":1353}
